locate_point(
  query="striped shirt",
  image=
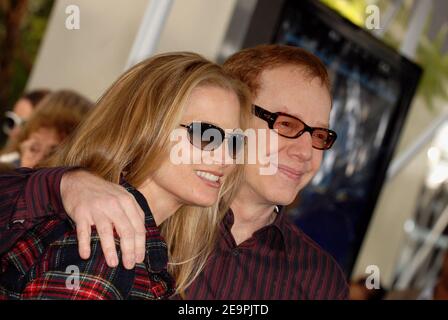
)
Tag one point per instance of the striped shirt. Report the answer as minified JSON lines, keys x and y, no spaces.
{"x":278,"y":262}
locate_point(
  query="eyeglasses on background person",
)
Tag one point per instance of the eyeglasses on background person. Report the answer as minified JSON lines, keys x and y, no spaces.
{"x":11,"y":121}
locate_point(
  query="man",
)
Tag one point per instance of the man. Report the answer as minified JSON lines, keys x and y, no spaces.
{"x":260,"y":253}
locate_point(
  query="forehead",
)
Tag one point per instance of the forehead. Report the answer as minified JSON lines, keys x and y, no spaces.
{"x":45,"y":135}
{"x":291,"y":90}
{"x":213,"y":104}
{"x":23,"y":108}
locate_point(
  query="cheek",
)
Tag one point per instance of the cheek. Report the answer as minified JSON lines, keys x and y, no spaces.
{"x":228,"y":169}
{"x":263,"y":143}
{"x":316,"y":160}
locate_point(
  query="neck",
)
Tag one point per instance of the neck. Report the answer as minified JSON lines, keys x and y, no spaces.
{"x":251,"y":213}
{"x":163,"y":204}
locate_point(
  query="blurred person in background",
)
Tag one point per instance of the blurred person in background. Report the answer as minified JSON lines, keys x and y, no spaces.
{"x":21,"y":112}
{"x":56,"y":117}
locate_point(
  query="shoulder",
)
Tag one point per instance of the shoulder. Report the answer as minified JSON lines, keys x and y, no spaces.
{"x":322,"y":273}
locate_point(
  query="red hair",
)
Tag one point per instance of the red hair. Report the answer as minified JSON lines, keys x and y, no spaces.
{"x":248,"y":64}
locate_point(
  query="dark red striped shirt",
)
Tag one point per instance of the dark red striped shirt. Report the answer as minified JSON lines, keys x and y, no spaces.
{"x":27,"y":198}
{"x":278,"y":262}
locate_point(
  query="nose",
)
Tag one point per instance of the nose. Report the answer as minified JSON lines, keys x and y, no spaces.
{"x":301,"y":147}
{"x":219,"y":156}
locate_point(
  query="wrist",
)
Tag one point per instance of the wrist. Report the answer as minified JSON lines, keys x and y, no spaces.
{"x":66,"y":187}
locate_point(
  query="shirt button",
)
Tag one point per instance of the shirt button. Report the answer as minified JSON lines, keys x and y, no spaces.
{"x":235,"y":252}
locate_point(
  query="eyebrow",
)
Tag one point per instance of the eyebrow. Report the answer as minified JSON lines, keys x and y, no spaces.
{"x":211,"y":122}
{"x":318,"y":124}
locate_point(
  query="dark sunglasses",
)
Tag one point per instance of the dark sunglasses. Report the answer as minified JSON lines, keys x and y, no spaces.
{"x":11,"y":121}
{"x":291,"y":127}
{"x":208,"y":137}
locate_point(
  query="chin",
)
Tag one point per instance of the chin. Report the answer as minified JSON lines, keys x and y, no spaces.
{"x":284,"y":200}
{"x":282,"y":197}
{"x":203,"y":199}
{"x":204,"y":203}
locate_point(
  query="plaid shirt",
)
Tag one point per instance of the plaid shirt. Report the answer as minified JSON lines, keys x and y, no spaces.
{"x":45,"y":264}
{"x":278,"y":262}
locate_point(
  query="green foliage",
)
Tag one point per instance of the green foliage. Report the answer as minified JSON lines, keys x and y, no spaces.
{"x":32,"y":31}
{"x":435,"y":63}
{"x":354,"y":10}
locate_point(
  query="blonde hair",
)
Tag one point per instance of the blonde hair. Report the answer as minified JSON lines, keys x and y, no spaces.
{"x":61,"y":110}
{"x":128,"y":134}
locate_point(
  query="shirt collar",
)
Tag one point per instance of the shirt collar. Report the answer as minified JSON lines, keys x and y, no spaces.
{"x":279,"y":224}
{"x":156,"y":249}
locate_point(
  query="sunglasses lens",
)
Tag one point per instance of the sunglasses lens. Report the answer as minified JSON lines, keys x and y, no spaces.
{"x":288,"y":126}
{"x":205,"y":136}
{"x":209,"y":137}
{"x":322,"y":139}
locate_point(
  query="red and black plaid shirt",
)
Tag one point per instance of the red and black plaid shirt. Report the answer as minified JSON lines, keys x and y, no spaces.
{"x":278,"y":262}
{"x":43,"y":262}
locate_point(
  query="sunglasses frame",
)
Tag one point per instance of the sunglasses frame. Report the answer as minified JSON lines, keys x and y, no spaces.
{"x":224,"y":135}
{"x":271,"y":117}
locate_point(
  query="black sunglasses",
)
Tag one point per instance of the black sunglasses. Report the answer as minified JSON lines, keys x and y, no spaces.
{"x":291,"y":127}
{"x":208,"y":137}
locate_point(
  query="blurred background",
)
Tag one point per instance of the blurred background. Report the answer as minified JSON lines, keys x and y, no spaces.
{"x":381,"y":196}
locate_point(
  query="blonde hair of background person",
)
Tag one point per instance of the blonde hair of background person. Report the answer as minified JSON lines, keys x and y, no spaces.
{"x":128,"y":134}
{"x":59,"y":112}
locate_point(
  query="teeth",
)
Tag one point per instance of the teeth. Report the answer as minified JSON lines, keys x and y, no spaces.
{"x":207,"y":175}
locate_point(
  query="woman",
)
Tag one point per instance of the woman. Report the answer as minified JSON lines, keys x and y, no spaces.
{"x":126,"y":139}
{"x":15,"y":119}
{"x":56,"y":117}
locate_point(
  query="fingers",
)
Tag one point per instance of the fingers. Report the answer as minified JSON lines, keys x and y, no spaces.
{"x":140,"y":246}
{"x":127,"y":244}
{"x":137,"y":219}
{"x":106,"y":234}
{"x":90,"y":200}
{"x":83,"y":231}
